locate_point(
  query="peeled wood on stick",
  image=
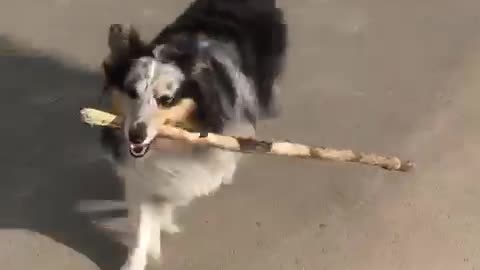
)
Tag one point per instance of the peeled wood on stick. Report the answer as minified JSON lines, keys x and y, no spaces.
{"x":173,"y":124}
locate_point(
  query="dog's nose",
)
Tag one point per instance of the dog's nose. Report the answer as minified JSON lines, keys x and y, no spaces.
{"x":138,"y":133}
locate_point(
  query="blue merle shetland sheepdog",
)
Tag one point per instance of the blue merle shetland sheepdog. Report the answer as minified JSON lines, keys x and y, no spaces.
{"x":226,"y":55}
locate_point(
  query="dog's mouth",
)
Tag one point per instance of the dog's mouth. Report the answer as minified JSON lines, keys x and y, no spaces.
{"x":139,"y":150}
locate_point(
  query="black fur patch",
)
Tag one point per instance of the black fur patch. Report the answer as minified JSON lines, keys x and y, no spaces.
{"x":256,"y":27}
{"x":212,"y":108}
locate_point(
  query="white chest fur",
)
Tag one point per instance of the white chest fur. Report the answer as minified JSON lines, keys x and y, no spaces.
{"x":179,"y":177}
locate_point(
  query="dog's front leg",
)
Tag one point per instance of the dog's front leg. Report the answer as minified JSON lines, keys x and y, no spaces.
{"x":163,"y":221}
{"x":137,"y":259}
{"x":166,"y":219}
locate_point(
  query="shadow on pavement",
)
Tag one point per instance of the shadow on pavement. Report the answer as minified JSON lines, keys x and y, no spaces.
{"x":49,"y":160}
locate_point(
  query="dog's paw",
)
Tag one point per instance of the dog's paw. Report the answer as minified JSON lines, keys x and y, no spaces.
{"x":227,"y":180}
{"x":134,"y":264}
{"x":171,"y":228}
{"x":155,"y":251}
{"x":156,"y":256}
{"x":126,"y":266}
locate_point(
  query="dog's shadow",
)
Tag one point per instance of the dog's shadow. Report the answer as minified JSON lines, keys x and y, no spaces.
{"x":49,"y":159}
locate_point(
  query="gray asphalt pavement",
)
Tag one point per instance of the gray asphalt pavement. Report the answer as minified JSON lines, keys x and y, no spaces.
{"x":394,"y":77}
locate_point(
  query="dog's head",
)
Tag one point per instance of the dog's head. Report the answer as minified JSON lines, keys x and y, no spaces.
{"x":140,"y":84}
{"x":145,"y":79}
{"x":149,"y":87}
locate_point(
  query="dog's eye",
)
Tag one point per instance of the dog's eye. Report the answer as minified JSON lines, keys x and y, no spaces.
{"x":165,"y":101}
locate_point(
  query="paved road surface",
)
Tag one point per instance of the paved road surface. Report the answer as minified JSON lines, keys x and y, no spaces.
{"x":399,"y":77}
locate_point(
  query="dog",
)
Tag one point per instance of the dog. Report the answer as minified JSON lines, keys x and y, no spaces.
{"x":226,"y":55}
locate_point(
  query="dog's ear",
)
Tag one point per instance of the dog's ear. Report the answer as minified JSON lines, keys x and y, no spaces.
{"x":123,"y":39}
{"x":124,"y":42}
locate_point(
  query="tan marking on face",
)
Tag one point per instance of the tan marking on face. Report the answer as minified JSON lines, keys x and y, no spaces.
{"x":117,"y":102}
{"x":182,"y":112}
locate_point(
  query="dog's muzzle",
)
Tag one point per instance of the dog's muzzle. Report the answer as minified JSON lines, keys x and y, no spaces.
{"x":137,"y":136}
{"x":138,"y":150}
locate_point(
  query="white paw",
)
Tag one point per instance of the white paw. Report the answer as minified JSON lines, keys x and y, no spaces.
{"x":126,"y":266}
{"x":171,"y":228}
{"x":227,"y":180}
{"x":135,"y":263}
{"x":155,"y":251}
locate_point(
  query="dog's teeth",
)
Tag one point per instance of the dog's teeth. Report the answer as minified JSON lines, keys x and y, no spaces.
{"x":137,"y":150}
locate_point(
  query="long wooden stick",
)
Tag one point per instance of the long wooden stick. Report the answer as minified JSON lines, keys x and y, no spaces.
{"x":248,"y":145}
